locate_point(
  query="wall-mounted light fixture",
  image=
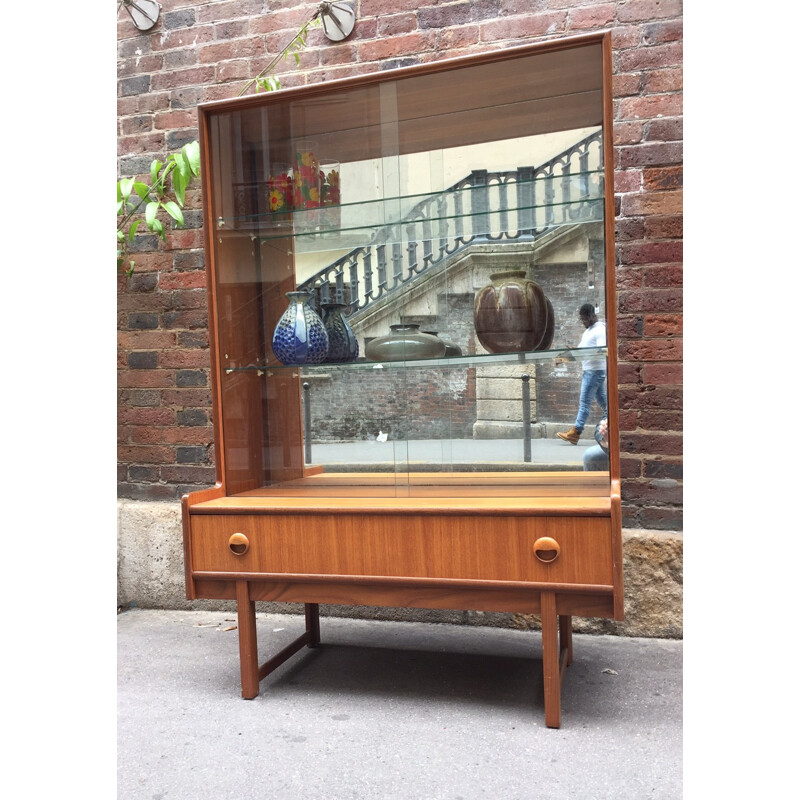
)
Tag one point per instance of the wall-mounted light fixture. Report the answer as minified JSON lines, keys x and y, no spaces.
{"x":144,"y":13}
{"x":338,"y":20}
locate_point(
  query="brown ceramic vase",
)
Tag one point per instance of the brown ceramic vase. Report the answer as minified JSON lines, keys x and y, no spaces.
{"x":512,"y":314}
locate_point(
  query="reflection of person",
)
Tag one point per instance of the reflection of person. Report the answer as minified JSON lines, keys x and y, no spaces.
{"x":593,"y":382}
{"x":596,"y":456}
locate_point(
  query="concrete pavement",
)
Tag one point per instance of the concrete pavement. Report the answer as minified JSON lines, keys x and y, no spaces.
{"x":390,"y":710}
{"x":457,"y":453}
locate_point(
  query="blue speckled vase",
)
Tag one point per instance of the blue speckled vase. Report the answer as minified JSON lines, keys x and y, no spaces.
{"x":300,"y":336}
{"x":343,"y":345}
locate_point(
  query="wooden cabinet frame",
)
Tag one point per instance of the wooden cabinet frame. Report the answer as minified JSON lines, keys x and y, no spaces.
{"x":449,"y":550}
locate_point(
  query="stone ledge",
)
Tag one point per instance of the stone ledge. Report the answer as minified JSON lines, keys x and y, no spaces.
{"x":150,"y":574}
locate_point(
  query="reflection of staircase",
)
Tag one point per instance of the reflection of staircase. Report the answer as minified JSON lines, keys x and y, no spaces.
{"x":528,"y":204}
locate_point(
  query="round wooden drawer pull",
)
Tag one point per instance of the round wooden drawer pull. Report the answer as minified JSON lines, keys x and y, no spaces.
{"x":546,"y":549}
{"x":239,"y":544}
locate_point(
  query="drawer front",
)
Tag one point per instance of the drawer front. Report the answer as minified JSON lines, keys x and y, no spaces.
{"x":515,"y":548}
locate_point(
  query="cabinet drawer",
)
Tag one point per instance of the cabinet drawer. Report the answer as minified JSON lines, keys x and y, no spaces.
{"x":490,"y":548}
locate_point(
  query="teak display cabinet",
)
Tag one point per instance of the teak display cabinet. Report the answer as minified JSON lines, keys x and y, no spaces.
{"x":410,"y":482}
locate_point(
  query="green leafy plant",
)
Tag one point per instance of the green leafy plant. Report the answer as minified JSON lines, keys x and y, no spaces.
{"x":166,"y":191}
{"x":169,"y":180}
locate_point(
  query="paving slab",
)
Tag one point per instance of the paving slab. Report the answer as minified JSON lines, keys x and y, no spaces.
{"x":390,"y":710}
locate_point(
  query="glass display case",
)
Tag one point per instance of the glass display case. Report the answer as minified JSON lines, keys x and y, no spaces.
{"x":395,"y":264}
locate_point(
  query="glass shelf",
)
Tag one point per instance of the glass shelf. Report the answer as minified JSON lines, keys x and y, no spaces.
{"x":471,"y":210}
{"x":456,"y":362}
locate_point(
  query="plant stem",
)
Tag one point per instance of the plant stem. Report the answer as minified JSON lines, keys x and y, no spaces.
{"x":280,"y":55}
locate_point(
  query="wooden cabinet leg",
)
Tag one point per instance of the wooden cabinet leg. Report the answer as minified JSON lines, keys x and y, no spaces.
{"x":248,"y":641}
{"x":565,"y":636}
{"x":312,"y":624}
{"x":550,"y":661}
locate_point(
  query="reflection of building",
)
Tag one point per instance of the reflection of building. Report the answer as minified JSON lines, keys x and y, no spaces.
{"x":470,"y":402}
{"x":427,"y":268}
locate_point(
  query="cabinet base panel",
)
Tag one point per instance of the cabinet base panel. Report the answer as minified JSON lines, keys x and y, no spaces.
{"x":515,"y":601}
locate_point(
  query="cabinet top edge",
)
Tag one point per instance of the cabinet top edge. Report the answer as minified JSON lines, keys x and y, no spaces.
{"x":548,"y":506}
{"x":307,"y":90}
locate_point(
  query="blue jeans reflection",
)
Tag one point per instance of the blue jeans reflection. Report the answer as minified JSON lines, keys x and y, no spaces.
{"x":593,"y":387}
{"x":595,"y":459}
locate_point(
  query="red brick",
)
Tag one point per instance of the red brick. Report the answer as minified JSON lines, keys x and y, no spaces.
{"x":189,"y":474}
{"x":628,"y":373}
{"x":670,"y":227}
{"x":630,"y":229}
{"x":669,"y":421}
{"x":524,"y":26}
{"x":146,"y":378}
{"x":626,"y":84}
{"x":652,"y":398}
{"x":395,"y":24}
{"x":184,"y":77}
{"x":628,"y":279}
{"x":140,"y":143}
{"x":650,"y":252}
{"x":344,"y":54}
{"x":665,"y":130}
{"x":627,"y":420}
{"x":143,"y":302}
{"x":650,"y":107}
{"x":592,"y":17}
{"x":648,"y":10}
{"x":185,"y":435}
{"x":669,"y":79}
{"x":627,"y":180}
{"x":146,"y":340}
{"x":630,"y":468}
{"x":648,"y":491}
{"x":628,"y":132}
{"x":624,"y":37}
{"x":663,"y":178}
{"x":651,"y":350}
{"x":663,"y":325}
{"x":185,"y":238}
{"x":284,"y":21}
{"x":170,"y":120}
{"x":191,"y":398}
{"x":629,"y":327}
{"x":650,"y":154}
{"x":664,"y":519}
{"x":647,"y":203}
{"x":189,"y":298}
{"x":233,"y":9}
{"x":459,"y":37}
{"x":146,"y":454}
{"x":151,"y":262}
{"x":396,"y":46}
{"x":668,"y":300}
{"x":236,"y":70}
{"x":215,"y":52}
{"x":668,"y":31}
{"x":648,"y":58}
{"x":663,"y":276}
{"x":146,"y":434}
{"x":182,"y":280}
{"x":146,"y":416}
{"x":189,"y":319}
{"x":180,"y":38}
{"x":140,"y":65}
{"x":183,"y":359}
{"x":665,"y":444}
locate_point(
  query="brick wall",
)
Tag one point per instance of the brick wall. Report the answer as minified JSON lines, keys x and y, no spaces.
{"x":203,"y":51}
